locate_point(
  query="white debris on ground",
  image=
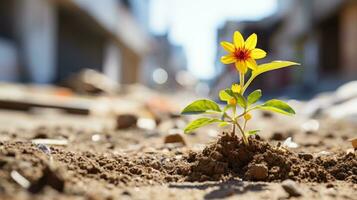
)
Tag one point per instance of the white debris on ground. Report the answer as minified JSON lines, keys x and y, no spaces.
{"x":341,"y":104}
{"x":289,"y":143}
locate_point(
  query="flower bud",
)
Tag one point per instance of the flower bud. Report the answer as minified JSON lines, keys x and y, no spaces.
{"x":232,"y":101}
{"x":236,"y":88}
{"x":247,"y":116}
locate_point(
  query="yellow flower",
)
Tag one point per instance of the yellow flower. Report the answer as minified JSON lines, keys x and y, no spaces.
{"x":242,"y":53}
{"x":236,"y":88}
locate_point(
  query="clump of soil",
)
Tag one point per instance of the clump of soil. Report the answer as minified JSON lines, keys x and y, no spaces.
{"x":259,"y":161}
{"x":342,"y":166}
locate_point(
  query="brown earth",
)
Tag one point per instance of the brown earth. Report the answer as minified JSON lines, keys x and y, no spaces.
{"x":259,"y":161}
{"x":137,"y":164}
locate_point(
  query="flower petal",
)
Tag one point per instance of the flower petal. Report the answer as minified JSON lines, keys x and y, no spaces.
{"x":241,"y":66}
{"x":258,"y":53}
{"x":238,"y":39}
{"x":228,"y":46}
{"x":228,"y":59}
{"x":251,"y":41}
{"x":251,"y":64}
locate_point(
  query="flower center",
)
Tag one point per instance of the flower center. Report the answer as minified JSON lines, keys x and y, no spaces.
{"x":242,"y":54}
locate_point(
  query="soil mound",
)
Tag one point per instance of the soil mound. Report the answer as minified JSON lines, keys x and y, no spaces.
{"x":229,"y":157}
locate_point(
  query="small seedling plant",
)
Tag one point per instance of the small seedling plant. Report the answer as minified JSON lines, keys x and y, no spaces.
{"x":237,"y":111}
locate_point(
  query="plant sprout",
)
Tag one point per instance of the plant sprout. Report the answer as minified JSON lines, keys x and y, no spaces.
{"x":243,"y":55}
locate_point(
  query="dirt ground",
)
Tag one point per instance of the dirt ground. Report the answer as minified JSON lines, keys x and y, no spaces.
{"x":97,"y":161}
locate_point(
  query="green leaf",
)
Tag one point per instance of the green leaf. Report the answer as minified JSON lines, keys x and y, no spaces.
{"x":253,"y":132}
{"x":273,"y":66}
{"x":241,"y":101}
{"x":267,"y":67}
{"x":254,"y":97}
{"x":230,"y":93}
{"x":224,"y":96}
{"x":222,"y":124}
{"x":227,"y":94}
{"x":277,"y":106}
{"x":198,"y":123}
{"x":201,"y":106}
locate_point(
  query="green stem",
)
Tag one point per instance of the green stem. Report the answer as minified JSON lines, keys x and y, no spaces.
{"x":245,"y":139}
{"x":245,"y":112}
{"x":245,"y":121}
{"x":248,"y":83}
{"x":241,"y":79}
{"x":245,"y":124}
{"x":234,"y":130}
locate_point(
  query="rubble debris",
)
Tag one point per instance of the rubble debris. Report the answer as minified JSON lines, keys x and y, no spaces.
{"x":89,"y":81}
{"x":339,"y":104}
{"x":19,"y":179}
{"x":60,"y":142}
{"x":125,"y":121}
{"x":28,"y":104}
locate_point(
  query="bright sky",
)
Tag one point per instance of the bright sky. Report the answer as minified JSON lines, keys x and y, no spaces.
{"x":194,"y":23}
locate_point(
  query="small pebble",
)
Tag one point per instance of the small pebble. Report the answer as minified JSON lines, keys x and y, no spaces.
{"x":277,"y":136}
{"x":291,"y":188}
{"x":44,"y":148}
{"x":125,"y":121}
{"x":354,"y":142}
{"x":96,"y":137}
{"x":288,"y":143}
{"x":311,"y":125}
{"x":126,"y":193}
{"x":146,"y":123}
{"x":174,"y":138}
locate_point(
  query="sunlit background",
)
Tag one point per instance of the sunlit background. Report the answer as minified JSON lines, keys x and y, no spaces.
{"x":173,"y":45}
{"x":194,"y":25}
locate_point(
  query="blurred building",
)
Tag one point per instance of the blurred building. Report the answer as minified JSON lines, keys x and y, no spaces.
{"x":46,"y":41}
{"x":322,"y":35}
{"x":319,"y":34}
{"x":163,"y":63}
